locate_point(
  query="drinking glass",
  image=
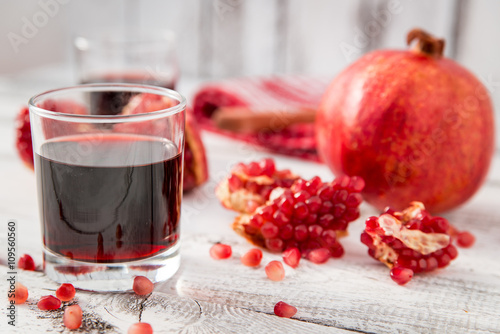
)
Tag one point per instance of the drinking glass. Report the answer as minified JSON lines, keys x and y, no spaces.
{"x":109,"y":183}
{"x":134,"y":56}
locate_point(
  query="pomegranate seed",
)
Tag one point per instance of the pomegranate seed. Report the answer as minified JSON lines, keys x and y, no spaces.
{"x":275,"y":244}
{"x":356,"y":184}
{"x":65,"y":292}
{"x":284,"y":310}
{"x":367,"y":240}
{"x":49,"y":303}
{"x":220,"y":251}
{"x":253,"y":169}
{"x":292,"y":257}
{"x":20,"y":294}
{"x":326,"y":207}
{"x":72,"y":317}
{"x":354,"y":200}
{"x":432,"y":263}
{"x":338,"y":210}
{"x":301,"y":210}
{"x":275,"y":271}
{"x":440,"y":225}
{"x":301,"y":196}
{"x":140,"y":328}
{"x":326,"y":220}
{"x":252,"y":258}
{"x":401,"y":275}
{"x":341,"y":181}
{"x":451,"y":251}
{"x":319,"y":255}
{"x":234,"y":183}
{"x":315,"y":231}
{"x":465,"y":239}
{"x":340,"y":196}
{"x":142,"y":285}
{"x":325,"y":192}
{"x":329,"y":237}
{"x":313,"y":203}
{"x":286,"y":232}
{"x":301,"y":232}
{"x":26,"y":262}
{"x":351,"y":214}
{"x":269,"y":230}
{"x":286,"y":205}
{"x":268,"y":167}
{"x":280,"y":218}
{"x":337,"y":250}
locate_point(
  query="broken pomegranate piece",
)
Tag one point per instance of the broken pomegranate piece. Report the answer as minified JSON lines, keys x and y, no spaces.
{"x":310,"y":215}
{"x":411,"y":239}
{"x":249,"y":185}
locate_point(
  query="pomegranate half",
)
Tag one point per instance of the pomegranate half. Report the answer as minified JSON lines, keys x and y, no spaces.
{"x":413,"y":124}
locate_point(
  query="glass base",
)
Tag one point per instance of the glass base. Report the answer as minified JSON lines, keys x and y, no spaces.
{"x":109,"y":277}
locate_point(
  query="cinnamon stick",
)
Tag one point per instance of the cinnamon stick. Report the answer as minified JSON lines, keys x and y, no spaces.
{"x":245,"y":120}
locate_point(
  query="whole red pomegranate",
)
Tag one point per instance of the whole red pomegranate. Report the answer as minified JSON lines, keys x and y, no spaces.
{"x":413,"y":124}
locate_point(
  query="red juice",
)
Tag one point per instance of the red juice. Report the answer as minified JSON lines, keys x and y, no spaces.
{"x":109,"y":198}
{"x":112,"y":103}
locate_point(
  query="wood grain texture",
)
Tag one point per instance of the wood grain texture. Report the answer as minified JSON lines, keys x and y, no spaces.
{"x":167,"y":313}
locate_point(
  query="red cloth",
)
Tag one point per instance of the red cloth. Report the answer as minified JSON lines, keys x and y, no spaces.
{"x":276,"y":93}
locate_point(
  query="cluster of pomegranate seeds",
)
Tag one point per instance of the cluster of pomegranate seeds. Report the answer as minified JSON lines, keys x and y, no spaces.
{"x":284,"y":310}
{"x":411,"y":239}
{"x":249,"y":185}
{"x":66,"y":292}
{"x":20,"y":294}
{"x":72,"y":317}
{"x":275,"y":271}
{"x":252,"y":258}
{"x":140,"y":328}
{"x":47,"y":303}
{"x":142,"y":285}
{"x":26,"y":262}
{"x":309,"y":216}
{"x":221,"y":251}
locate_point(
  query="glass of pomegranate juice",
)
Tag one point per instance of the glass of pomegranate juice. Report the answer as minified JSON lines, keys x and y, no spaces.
{"x":109,"y":183}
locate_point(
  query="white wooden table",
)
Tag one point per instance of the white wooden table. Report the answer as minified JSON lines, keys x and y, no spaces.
{"x":351,"y":294}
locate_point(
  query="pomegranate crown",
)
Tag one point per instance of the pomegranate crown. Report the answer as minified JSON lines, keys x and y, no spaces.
{"x":426,"y":43}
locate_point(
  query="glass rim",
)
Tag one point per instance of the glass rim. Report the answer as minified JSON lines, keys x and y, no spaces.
{"x":139,"y":88}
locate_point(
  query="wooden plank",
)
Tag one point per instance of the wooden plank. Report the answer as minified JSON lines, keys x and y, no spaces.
{"x":114,"y":313}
